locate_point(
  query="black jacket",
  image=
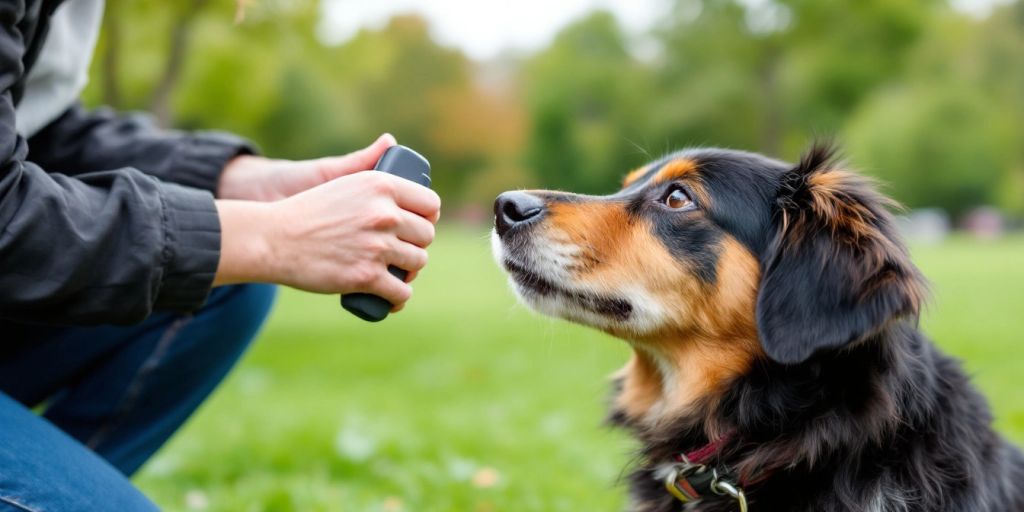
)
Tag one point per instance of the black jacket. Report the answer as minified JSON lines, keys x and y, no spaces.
{"x":103,"y":219}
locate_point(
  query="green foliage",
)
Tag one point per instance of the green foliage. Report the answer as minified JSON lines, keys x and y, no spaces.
{"x":588,"y":100}
{"x":930,"y":100}
{"x":269,"y":79}
{"x":398,"y":78}
{"x":934,"y":147}
{"x":767,"y":78}
{"x":328,"y":413}
{"x":949,"y":135}
{"x":713,"y":86}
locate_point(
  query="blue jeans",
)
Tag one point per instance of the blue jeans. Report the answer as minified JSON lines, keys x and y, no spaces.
{"x":110,"y":396}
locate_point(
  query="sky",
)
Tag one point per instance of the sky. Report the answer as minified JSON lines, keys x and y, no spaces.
{"x":485,"y":28}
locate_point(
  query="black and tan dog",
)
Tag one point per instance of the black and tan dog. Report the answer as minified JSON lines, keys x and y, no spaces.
{"x":772,"y":309}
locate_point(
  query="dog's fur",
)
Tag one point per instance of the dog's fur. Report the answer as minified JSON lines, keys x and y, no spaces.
{"x":776,"y":310}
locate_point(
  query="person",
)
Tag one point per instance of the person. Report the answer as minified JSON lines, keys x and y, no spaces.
{"x":135,"y":263}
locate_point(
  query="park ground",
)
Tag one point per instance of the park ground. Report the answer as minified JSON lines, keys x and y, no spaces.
{"x":466,"y":401}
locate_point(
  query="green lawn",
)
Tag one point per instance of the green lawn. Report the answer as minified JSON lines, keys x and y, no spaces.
{"x":468,"y":402}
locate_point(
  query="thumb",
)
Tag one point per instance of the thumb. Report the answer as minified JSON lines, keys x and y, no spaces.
{"x":360,"y":160}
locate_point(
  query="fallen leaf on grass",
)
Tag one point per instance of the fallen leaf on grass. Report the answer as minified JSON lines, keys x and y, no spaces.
{"x":485,"y":478}
{"x":393,"y":504}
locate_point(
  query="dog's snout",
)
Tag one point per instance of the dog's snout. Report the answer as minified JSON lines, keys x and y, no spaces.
{"x":513,"y":208}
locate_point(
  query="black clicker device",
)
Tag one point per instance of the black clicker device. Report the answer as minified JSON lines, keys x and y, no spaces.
{"x":404,"y":163}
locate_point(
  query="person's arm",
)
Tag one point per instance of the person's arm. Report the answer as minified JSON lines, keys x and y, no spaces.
{"x":81,"y":141}
{"x":112,"y":246}
{"x":102,"y":247}
{"x":338,"y":237}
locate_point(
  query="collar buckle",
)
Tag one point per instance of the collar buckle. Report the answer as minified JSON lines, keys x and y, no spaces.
{"x":689,"y":483}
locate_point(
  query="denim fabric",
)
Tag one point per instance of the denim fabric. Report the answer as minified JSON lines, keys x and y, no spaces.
{"x":110,"y":396}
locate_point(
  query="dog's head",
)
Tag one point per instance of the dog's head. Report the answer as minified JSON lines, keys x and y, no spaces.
{"x":730,"y":254}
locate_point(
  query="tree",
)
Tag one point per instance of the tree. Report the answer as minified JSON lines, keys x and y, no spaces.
{"x":588,"y":102}
{"x":769,"y":75}
{"x":929,"y":99}
{"x":933,"y":146}
{"x":949,"y":135}
{"x":403,"y":82}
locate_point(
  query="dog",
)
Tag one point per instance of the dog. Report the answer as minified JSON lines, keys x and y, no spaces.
{"x":777,"y":363}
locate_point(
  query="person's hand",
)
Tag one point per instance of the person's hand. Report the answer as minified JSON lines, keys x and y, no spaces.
{"x":256,"y":178}
{"x":338,"y":237}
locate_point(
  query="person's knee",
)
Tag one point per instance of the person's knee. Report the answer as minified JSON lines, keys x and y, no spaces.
{"x":246,"y":300}
{"x":241,"y":308}
{"x":228,"y":322}
{"x":206,"y":344}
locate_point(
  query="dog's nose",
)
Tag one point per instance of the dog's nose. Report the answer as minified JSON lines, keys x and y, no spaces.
{"x":513,"y":208}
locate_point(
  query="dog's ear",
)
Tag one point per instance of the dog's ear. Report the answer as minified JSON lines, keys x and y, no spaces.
{"x":836,"y":270}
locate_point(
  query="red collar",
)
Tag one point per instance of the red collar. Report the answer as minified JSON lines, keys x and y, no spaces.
{"x":702,"y":454}
{"x":691,"y":479}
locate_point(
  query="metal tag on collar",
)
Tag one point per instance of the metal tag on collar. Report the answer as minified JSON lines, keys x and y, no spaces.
{"x":726,"y":488}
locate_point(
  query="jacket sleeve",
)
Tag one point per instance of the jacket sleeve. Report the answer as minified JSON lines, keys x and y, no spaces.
{"x":100,"y":247}
{"x":83,"y":141}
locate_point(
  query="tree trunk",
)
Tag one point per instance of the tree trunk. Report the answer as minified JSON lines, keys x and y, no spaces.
{"x":112,"y":53}
{"x":772,"y":127}
{"x":160,"y":101}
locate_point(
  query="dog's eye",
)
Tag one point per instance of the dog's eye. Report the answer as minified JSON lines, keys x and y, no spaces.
{"x":677,"y":199}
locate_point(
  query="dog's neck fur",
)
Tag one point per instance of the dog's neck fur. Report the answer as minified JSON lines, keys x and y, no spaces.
{"x":664,"y":381}
{"x":890,"y":409}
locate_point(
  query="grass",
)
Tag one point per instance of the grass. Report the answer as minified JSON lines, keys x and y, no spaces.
{"x":467,"y":402}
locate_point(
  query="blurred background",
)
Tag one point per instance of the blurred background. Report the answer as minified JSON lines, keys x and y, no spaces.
{"x":465,"y":401}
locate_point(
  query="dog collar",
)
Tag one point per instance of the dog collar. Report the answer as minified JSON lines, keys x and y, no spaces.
{"x":690,"y":480}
